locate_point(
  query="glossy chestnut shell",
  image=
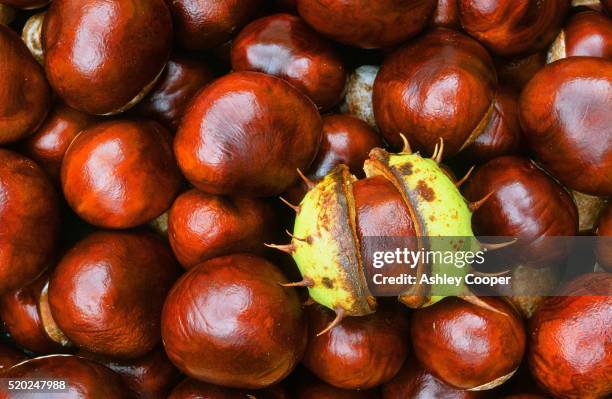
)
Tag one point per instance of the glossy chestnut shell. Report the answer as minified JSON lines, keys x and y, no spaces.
{"x":511,"y":28}
{"x":194,"y":389}
{"x":467,"y":346}
{"x":181,"y":80}
{"x":359,"y":353}
{"x":29,"y":216}
{"x":26,"y":4}
{"x":284,"y":46}
{"x":102,"y":55}
{"x":107,"y":292}
{"x":366,"y":23}
{"x":526,"y":203}
{"x":121,"y":173}
{"x":50,"y":142}
{"x":246,"y":134}
{"x":9,"y":357}
{"x":320,"y":390}
{"x":604,"y":247}
{"x":227,"y":321}
{"x":565,"y":114}
{"x":203,"y":226}
{"x":446,"y":14}
{"x":570,"y":343}
{"x":588,"y":33}
{"x":414,"y":382}
{"x":441,"y":85}
{"x":20,"y":314}
{"x":84,"y":378}
{"x":205,"y":24}
{"x":152,"y":376}
{"x":24,"y":92}
{"x":517,"y":72}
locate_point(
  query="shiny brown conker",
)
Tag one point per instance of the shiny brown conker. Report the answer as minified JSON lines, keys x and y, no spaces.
{"x":102,"y":56}
{"x":227,"y":321}
{"x":565,"y":114}
{"x":121,"y":173}
{"x":181,"y":80}
{"x":24,"y":92}
{"x":588,"y":33}
{"x":604,"y":247}
{"x":26,"y":4}
{"x":203,"y":226}
{"x":9,"y":357}
{"x":246,"y":134}
{"x":194,"y":389}
{"x":517,"y":72}
{"x":441,"y":85}
{"x":467,"y":346}
{"x":205,"y":24}
{"x":525,"y":203}
{"x":284,"y":46}
{"x":366,"y":23}
{"x":29,"y":216}
{"x":446,"y":14}
{"x":360,"y":352}
{"x":107,"y":292}
{"x":570,"y":344}
{"x":320,"y":390}
{"x":83,"y":378}
{"x":48,"y":145}
{"x":511,"y":28}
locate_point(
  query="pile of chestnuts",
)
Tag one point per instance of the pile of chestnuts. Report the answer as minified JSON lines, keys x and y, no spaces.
{"x":188,"y":189}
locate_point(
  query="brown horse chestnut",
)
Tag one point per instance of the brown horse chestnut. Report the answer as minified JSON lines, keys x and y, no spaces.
{"x":358,"y":98}
{"x":26,"y":4}
{"x":604,"y":246}
{"x":588,"y":33}
{"x":205,"y":24}
{"x":29,"y":216}
{"x":284,"y":46}
{"x":24,"y":92}
{"x":246,"y":134}
{"x":321,"y":390}
{"x":227,"y":321}
{"x":446,"y":14}
{"x":32,"y":36}
{"x":367,"y":23}
{"x":120,"y":174}
{"x":570,"y":348}
{"x":150,"y":377}
{"x":441,"y":85}
{"x":7,"y":14}
{"x":103,"y":56}
{"x":84,"y":378}
{"x":517,"y":72}
{"x":511,"y":28}
{"x":194,"y":389}
{"x":20,"y":314}
{"x":9,"y":357}
{"x":203,"y":226}
{"x":414,"y":382}
{"x":467,"y":346}
{"x":50,"y":142}
{"x":565,"y":114}
{"x":525,"y":203}
{"x":176,"y":87}
{"x":360,"y":352}
{"x":107,"y":292}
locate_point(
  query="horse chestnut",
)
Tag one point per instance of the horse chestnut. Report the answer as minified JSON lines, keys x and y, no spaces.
{"x":7,"y":14}
{"x":446,"y":14}
{"x":414,"y":382}
{"x":29,"y":216}
{"x":32,"y":36}
{"x":121,"y":173}
{"x":509,"y":28}
{"x":358,"y":98}
{"x":588,"y":33}
{"x":50,"y":142}
{"x":24,"y":92}
{"x":366,"y":23}
{"x":194,"y":389}
{"x":570,"y":341}
{"x":203,"y":226}
{"x":21,"y":317}
{"x":227,"y":321}
{"x":416,"y":84}
{"x":320,"y":390}
{"x":9,"y":357}
{"x":284,"y":46}
{"x":246,"y":134}
{"x":176,"y":87}
{"x":525,"y":203}
{"x":84,"y":378}
{"x":360,"y":352}
{"x":467,"y":346}
{"x":103,"y":56}
{"x":26,"y":4}
{"x":107,"y":292}
{"x":565,"y":114}
{"x":604,"y":247}
{"x":517,"y":72}
{"x":205,"y":24}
